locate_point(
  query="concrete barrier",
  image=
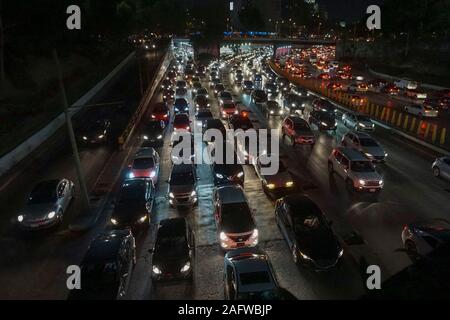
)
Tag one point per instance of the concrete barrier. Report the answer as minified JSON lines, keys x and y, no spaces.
{"x":393,"y":78}
{"x":9,"y":160}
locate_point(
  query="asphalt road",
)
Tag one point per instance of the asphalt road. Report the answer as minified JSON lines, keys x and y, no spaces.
{"x":32,"y":266}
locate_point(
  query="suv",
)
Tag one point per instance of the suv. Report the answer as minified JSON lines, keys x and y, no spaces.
{"x":107,"y":267}
{"x":258,"y":96}
{"x":234,"y":218}
{"x":366,"y":144}
{"x":183,"y":186}
{"x":172,"y":255}
{"x":357,"y":171}
{"x":298,"y":131}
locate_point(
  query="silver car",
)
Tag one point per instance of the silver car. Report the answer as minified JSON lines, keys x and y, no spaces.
{"x":46,"y":204}
{"x":366,"y":144}
{"x":441,"y":167}
{"x":357,"y":122}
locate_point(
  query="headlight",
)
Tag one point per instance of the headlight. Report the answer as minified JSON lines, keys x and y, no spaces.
{"x":171,"y":195}
{"x":271,"y":186}
{"x":145,"y":137}
{"x":218,"y":175}
{"x":254,"y":237}
{"x":152,"y":174}
{"x":324,"y":124}
{"x":156,"y":270}
{"x":368,"y":155}
{"x":20,"y":218}
{"x":386,"y":154}
{"x":84,"y":138}
{"x":381,"y":182}
{"x":240,"y":174}
{"x":131,"y":175}
{"x":361,"y":125}
{"x":341,"y":253}
{"x":159,"y":137}
{"x":51,"y":214}
{"x":193,"y":193}
{"x":186,"y":267}
{"x":290,"y":184}
{"x":362,"y":182}
{"x":223,"y":236}
{"x":236,"y":112}
{"x":272,"y":112}
{"x":304,"y":256}
{"x":114,"y":221}
{"x":142,"y":219}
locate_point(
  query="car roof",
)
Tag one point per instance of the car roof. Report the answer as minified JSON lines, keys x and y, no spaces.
{"x":172,"y":227}
{"x":231,"y":194}
{"x":145,"y":152}
{"x":105,"y":246}
{"x":297,"y":119}
{"x":352,"y":154}
{"x":303,"y":204}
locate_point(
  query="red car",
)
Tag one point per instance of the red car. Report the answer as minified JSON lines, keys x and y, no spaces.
{"x":181,"y":122}
{"x":161,"y":112}
{"x":298,"y":131}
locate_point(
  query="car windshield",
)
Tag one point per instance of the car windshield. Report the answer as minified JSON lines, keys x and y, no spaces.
{"x":366,"y":142}
{"x":130,"y":193}
{"x":180,"y":102}
{"x":43,"y":193}
{"x":182,"y":178}
{"x":204,"y":115}
{"x":143,"y":163}
{"x":363,"y":118}
{"x":301,"y":126}
{"x":202,"y":91}
{"x":181,"y":120}
{"x":237,"y":218}
{"x":159,"y":108}
{"x":362,"y":166}
{"x":154,"y":125}
{"x":228,"y":106}
{"x":226,"y":95}
{"x":251,"y":278}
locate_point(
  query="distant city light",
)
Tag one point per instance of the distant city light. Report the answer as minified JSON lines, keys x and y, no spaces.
{"x":231,"y":6}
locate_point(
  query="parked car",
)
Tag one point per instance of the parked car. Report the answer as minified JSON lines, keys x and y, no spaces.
{"x":46,"y":205}
{"x":235,"y":222}
{"x":183,"y":186}
{"x":107,"y":267}
{"x":357,"y":171}
{"x":134,"y":204}
{"x":174,"y":250}
{"x":307,"y":232}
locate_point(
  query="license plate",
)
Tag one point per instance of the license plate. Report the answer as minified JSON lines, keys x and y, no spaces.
{"x":240,"y":244}
{"x":373,"y":190}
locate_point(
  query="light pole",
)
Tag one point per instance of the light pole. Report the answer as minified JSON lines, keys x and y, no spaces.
{"x":76,"y":156}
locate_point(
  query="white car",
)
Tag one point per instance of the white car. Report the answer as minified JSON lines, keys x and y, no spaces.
{"x":357,"y":122}
{"x":273,"y":184}
{"x":421,"y":110}
{"x":406,"y":84}
{"x":421,"y":238}
{"x":366,"y":144}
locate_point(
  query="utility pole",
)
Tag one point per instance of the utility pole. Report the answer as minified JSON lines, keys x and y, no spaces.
{"x":76,"y":156}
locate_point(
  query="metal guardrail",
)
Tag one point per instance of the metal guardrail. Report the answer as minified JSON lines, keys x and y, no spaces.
{"x":124,"y":138}
{"x":411,"y":125}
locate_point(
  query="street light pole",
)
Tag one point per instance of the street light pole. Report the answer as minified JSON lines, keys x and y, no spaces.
{"x":76,"y":156}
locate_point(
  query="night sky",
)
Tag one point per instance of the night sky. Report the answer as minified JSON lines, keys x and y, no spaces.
{"x":347,"y":9}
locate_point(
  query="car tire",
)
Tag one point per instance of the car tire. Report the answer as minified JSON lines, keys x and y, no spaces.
{"x":436,"y":172}
{"x":330,"y":168}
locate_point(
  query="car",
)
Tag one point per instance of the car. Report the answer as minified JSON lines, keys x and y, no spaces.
{"x":145,"y":164}
{"x":271,"y":89}
{"x":181,"y":106}
{"x":214,"y":124}
{"x":323,"y":120}
{"x":134,"y":204}
{"x":180,"y":92}
{"x":300,"y":91}
{"x":95,"y":132}
{"x":273,"y":109}
{"x":107,"y":267}
{"x":323,"y":105}
{"x":202,"y":115}
{"x":238,"y":79}
{"x":181,"y":121}
{"x":166,"y":84}
{"x":273,"y":184}
{"x":259,"y":96}
{"x":422,"y":110}
{"x":249,"y":275}
{"x":171,"y":75}
{"x":228,"y":108}
{"x":357,"y":171}
{"x":218,"y":88}
{"x":390,"y":89}
{"x":240,"y":121}
{"x":227,"y":173}
{"x":298,"y":131}
{"x":247,"y":86}
{"x":225,"y":96}
{"x":174,"y":250}
{"x":177,"y":138}
{"x":293,"y":103}
{"x":153,"y":133}
{"x":168,"y":95}
{"x":406,"y":84}
{"x":358,"y":100}
{"x":416,"y":94}
{"x":195,"y":87}
{"x":46,"y":205}
{"x":423,"y":237}
{"x":441,"y":167}
{"x":307,"y":232}
{"x":235,"y":221}
{"x":182,"y":189}
{"x":181,"y":84}
{"x":357,"y":122}
{"x":203,"y":91}
{"x":160,"y":112}
{"x":201,"y":102}
{"x":283,"y":84}
{"x":334,"y":86}
{"x":366,"y":144}
{"x":357,"y":87}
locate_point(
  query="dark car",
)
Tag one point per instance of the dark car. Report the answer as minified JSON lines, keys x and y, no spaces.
{"x":95,"y":132}
{"x":218,"y":88}
{"x":298,"y":131}
{"x":283,"y":84}
{"x":238,"y":79}
{"x":181,"y":121}
{"x":273,"y":109}
{"x":214,"y":124}
{"x":227,"y":173}
{"x":201,"y":102}
{"x":307,"y":232}
{"x":153,"y":133}
{"x":166,"y":84}
{"x":324,"y":106}
{"x":168,"y":95}
{"x":300,"y":91}
{"x":271,"y":89}
{"x":173,"y":253}
{"x":203,"y":91}
{"x":195,"y":87}
{"x":203,"y":115}
{"x":134,"y":203}
{"x":181,"y":106}
{"x":183,"y":186}
{"x":249,"y":275}
{"x":161,"y":112}
{"x":323,"y":120}
{"x":240,"y":121}
{"x":107,"y":267}
{"x":180,"y":157}
{"x":293,"y":103}
{"x":247,"y":86}
{"x":259,"y":96}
